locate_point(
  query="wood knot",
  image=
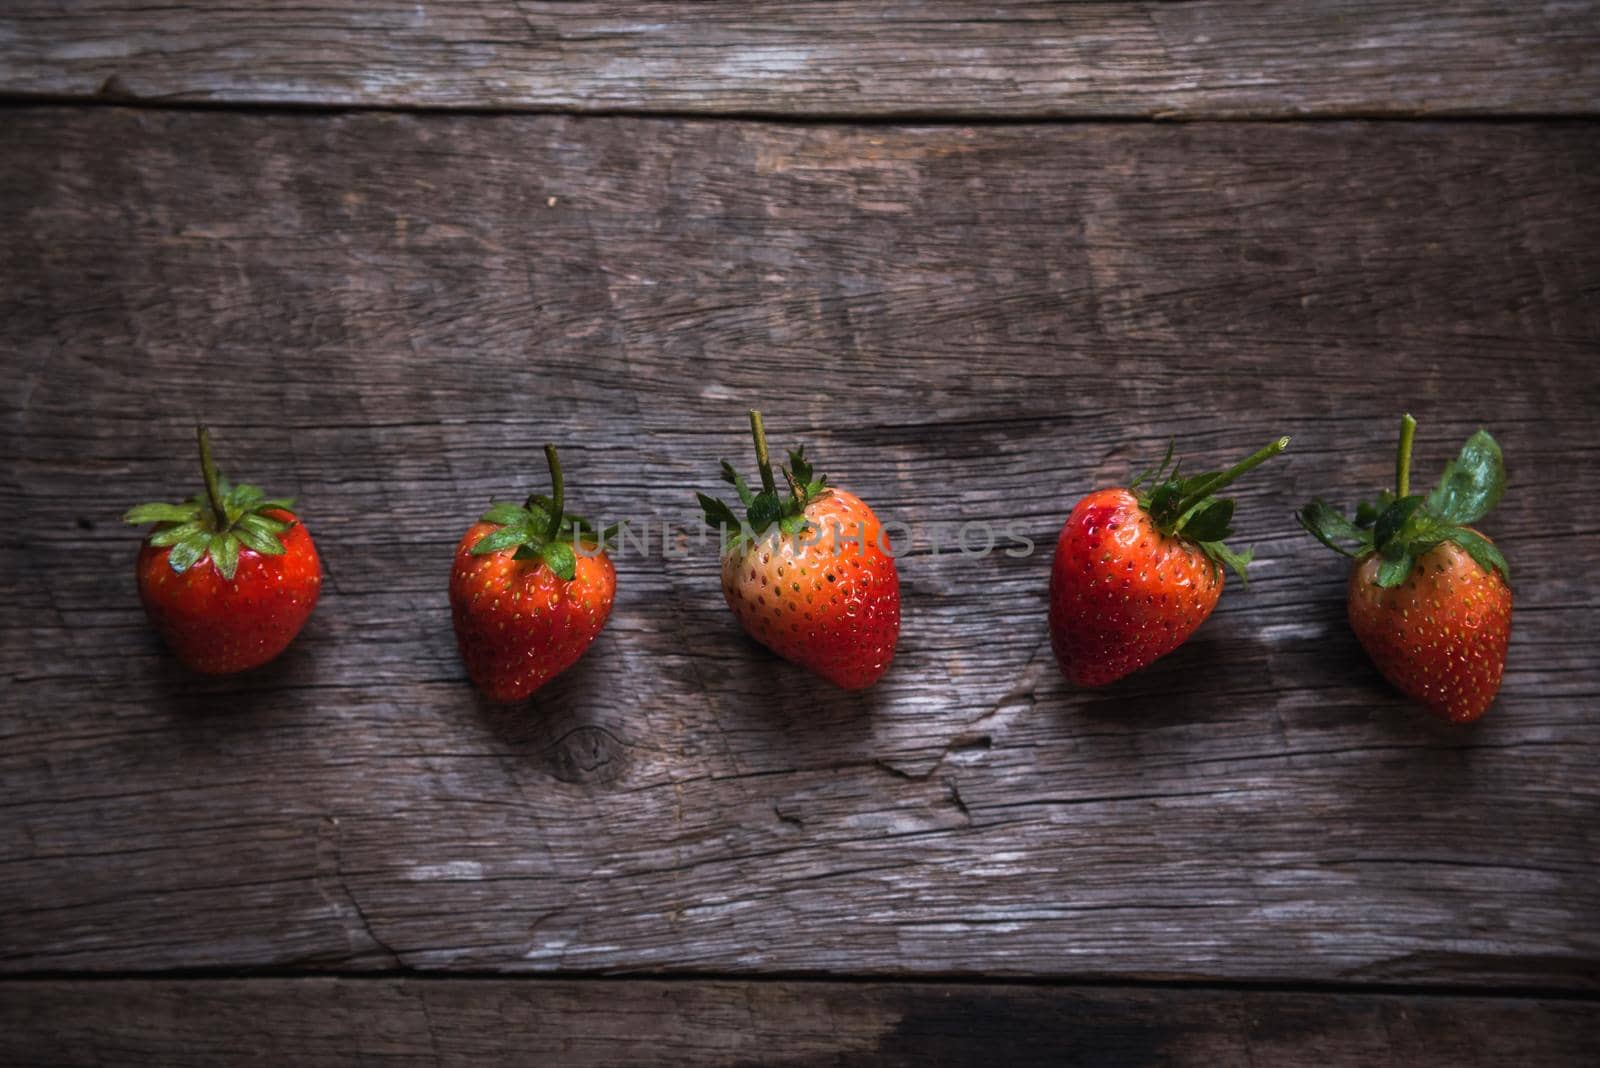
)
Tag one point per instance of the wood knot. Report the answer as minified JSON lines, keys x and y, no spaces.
{"x":588,"y":754}
{"x":114,"y":88}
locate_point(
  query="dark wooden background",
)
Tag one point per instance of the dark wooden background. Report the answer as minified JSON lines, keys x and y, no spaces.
{"x":895,"y":229}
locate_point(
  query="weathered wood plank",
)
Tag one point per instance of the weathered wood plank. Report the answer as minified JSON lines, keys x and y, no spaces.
{"x":1208,"y":58}
{"x":386,"y":315}
{"x":434,"y":1022}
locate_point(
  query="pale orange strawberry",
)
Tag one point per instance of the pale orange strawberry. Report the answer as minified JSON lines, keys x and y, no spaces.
{"x":809,"y":574}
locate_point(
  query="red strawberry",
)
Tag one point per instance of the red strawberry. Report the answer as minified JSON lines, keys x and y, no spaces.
{"x":1429,"y":598}
{"x":531,"y":587}
{"x":1134,"y":576}
{"x":227,"y":578}
{"x":809,"y":575}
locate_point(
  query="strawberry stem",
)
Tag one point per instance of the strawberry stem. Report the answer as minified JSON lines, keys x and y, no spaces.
{"x":768,"y":485}
{"x":557,"y":489}
{"x":1223,"y":478}
{"x":208,"y":469}
{"x":1402,"y":457}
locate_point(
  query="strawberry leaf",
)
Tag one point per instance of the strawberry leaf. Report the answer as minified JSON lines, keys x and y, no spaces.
{"x":172,"y":535}
{"x":1367,"y":512}
{"x":718,"y":514}
{"x":734,"y":479}
{"x":576,"y":528}
{"x":1210,"y":523}
{"x":265,"y":523}
{"x":1185,"y":507}
{"x":765,"y":510}
{"x":769,"y":507}
{"x":540,"y":529}
{"x":245,"y":497}
{"x":1221,"y":554}
{"x":224,"y":549}
{"x":1395,"y":568}
{"x":1329,"y":526}
{"x":1156,"y":472}
{"x":217,"y":521}
{"x":1402,"y":529}
{"x":264,"y":542}
{"x":1163,"y":506}
{"x":1481,"y":549}
{"x":1194,"y":484}
{"x":504,"y":538}
{"x":799,"y":466}
{"x":162,"y":513}
{"x":504,"y":514}
{"x":1472,"y":484}
{"x":559,"y":557}
{"x":793,"y":524}
{"x":187,"y":552}
{"x":1395,"y":520}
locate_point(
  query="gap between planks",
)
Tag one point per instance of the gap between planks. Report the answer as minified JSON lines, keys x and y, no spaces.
{"x":918,"y":980}
{"x":11,"y":100}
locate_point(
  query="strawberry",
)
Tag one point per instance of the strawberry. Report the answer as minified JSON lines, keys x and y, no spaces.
{"x":1430,"y":597}
{"x":1135,"y":574}
{"x":229,"y":577}
{"x":530,"y":589}
{"x":809,"y":574}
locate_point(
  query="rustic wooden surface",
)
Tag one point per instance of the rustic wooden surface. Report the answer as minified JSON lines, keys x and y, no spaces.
{"x":962,"y":323}
{"x":1205,"y":58}
{"x":346,"y":856}
{"x":311,"y":1022}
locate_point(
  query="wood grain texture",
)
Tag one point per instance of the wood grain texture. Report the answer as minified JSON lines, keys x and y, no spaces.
{"x":1208,"y":58}
{"x":386,"y":316}
{"x":311,"y":1022}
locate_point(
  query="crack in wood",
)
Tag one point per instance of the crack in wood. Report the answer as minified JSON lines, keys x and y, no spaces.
{"x":334,"y":837}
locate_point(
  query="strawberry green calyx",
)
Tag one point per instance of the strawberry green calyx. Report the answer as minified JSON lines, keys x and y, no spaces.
{"x":216,"y":523}
{"x":541,"y":529}
{"x":1185,"y":507}
{"x":1400,"y":526}
{"x":767,"y":508}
